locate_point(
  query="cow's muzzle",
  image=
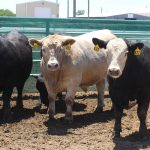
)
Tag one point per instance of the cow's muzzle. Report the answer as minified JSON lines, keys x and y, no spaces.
{"x":114,"y":72}
{"x":53,"y":66}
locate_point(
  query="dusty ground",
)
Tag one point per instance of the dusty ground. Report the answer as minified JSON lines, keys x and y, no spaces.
{"x":32,"y":130}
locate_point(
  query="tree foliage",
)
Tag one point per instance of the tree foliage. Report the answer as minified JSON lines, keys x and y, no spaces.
{"x":80,"y":12}
{"x":6,"y":12}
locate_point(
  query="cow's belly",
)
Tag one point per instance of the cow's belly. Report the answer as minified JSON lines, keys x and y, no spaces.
{"x":93,"y":75}
{"x":14,"y":77}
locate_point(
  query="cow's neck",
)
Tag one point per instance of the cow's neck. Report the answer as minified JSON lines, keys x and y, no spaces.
{"x":54,"y":77}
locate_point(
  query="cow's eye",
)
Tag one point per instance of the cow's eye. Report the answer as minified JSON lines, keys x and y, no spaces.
{"x":43,"y":50}
{"x":60,"y":49}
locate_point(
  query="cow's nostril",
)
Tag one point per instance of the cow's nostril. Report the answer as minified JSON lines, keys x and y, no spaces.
{"x":56,"y":65}
{"x":114,"y":72}
{"x":110,"y":71}
{"x":49,"y":66}
{"x":117,"y":71}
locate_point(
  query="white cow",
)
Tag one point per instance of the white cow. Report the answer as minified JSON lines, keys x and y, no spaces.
{"x":70,"y":62}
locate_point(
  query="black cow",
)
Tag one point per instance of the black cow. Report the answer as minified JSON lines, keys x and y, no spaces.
{"x":128,"y":77}
{"x":16,"y":65}
{"x":42,"y":90}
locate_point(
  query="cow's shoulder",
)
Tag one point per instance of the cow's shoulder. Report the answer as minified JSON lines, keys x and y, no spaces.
{"x":14,"y":34}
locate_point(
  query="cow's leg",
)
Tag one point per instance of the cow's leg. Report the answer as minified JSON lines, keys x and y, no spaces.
{"x":51,"y":108}
{"x":69,"y":99}
{"x":142,"y":109}
{"x":38,"y":105}
{"x":6,"y":103}
{"x":100,"y":88}
{"x":19,"y":98}
{"x":111,"y":95}
{"x":118,"y":115}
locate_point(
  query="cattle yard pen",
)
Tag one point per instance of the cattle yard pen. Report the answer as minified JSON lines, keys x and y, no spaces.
{"x":41,"y":27}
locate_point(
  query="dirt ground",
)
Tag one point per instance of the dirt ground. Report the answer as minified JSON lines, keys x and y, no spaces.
{"x":31,"y":130}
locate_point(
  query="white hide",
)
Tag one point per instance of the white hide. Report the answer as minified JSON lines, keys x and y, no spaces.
{"x":116,"y":57}
{"x":105,"y":35}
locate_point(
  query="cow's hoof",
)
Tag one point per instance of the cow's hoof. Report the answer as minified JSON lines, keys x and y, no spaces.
{"x":143,"y":135}
{"x":116,"y":135}
{"x":37,"y":108}
{"x":7,"y":117}
{"x":69,"y":118}
{"x":99,"y":110}
{"x":51,"y":119}
{"x":19,"y":107}
{"x":51,"y":116}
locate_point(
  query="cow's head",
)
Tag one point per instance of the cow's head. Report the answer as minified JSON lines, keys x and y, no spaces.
{"x":117,"y":51}
{"x":53,"y":50}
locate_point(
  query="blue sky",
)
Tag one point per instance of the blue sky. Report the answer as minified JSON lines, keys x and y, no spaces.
{"x":97,"y":7}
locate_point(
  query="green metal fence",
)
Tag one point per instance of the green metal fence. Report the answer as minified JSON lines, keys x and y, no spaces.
{"x":41,"y":27}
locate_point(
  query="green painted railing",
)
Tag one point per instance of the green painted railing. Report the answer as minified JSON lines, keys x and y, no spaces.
{"x":41,"y":27}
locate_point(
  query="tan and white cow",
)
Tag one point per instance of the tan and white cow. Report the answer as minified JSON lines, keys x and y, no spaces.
{"x":70,"y":62}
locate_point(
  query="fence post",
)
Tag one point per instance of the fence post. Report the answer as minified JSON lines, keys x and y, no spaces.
{"x":47,"y":27}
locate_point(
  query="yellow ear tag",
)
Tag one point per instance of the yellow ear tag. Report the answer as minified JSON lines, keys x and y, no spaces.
{"x":36,"y":45}
{"x":137,"y":52}
{"x":68,"y":48}
{"x":97,"y":48}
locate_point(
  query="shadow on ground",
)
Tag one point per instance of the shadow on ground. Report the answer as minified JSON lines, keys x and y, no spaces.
{"x":61,"y":127}
{"x":132,"y":141}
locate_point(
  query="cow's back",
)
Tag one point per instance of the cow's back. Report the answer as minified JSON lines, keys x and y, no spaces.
{"x":104,"y":34}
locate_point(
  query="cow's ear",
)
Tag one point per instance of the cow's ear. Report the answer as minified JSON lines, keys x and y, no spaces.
{"x":136,"y":48}
{"x":35,"y":43}
{"x":98,"y":44}
{"x":68,"y":41}
{"x":67,"y":44}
